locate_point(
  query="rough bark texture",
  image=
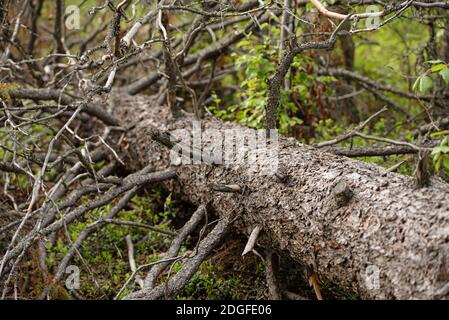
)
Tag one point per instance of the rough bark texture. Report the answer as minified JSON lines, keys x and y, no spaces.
{"x":340,"y":215}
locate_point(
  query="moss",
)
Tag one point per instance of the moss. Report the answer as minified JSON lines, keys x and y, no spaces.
{"x":58,"y":292}
{"x":210,"y":283}
{"x":6,"y":88}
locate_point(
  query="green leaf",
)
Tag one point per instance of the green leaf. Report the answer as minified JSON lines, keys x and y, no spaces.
{"x":425,"y":84}
{"x":444,"y":149}
{"x":438,"y":163}
{"x":416,"y":85}
{"x":446,"y":163}
{"x":243,"y":43}
{"x":438,"y":67}
{"x":439,"y":133}
{"x":445,"y":75}
{"x":440,"y":149}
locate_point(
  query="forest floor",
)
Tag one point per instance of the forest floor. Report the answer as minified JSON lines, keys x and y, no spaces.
{"x":104,"y":266}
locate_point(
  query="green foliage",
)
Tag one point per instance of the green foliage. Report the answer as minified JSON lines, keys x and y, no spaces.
{"x":327,"y":130}
{"x":259,"y":62}
{"x":424,"y":82}
{"x":210,"y":284}
{"x":440,"y":154}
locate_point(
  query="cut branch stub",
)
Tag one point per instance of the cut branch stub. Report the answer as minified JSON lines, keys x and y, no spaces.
{"x":342,"y":194}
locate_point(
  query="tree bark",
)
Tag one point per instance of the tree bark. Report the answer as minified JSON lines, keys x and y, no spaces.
{"x":347,"y":218}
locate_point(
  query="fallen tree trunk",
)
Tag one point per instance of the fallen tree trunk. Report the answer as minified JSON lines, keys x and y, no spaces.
{"x":363,"y":230}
